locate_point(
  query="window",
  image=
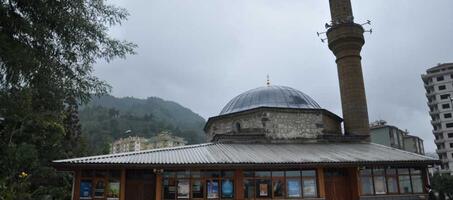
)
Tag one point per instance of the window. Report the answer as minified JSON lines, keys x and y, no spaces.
{"x":198,"y":185}
{"x":100,"y":184}
{"x":444,"y":96}
{"x":404,"y":181}
{"x":366,"y":180}
{"x":379,"y":181}
{"x":440,"y":78}
{"x":442,"y":87}
{"x":280,"y":184}
{"x":449,"y":125}
{"x":450,"y":135}
{"x":380,"y":186}
{"x":451,"y":145}
{"x":445,"y":106}
{"x":447,"y":115}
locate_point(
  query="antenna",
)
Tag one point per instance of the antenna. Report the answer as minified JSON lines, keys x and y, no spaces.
{"x":323,"y":40}
{"x":268,"y":82}
{"x":369,"y":31}
{"x":327,"y":25}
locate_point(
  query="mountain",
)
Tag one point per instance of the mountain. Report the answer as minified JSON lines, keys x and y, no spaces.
{"x":108,"y":118}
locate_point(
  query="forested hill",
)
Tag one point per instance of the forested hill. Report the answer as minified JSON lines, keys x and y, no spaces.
{"x":108,"y":118}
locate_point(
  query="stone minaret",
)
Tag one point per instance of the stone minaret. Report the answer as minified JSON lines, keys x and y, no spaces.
{"x":346,"y":40}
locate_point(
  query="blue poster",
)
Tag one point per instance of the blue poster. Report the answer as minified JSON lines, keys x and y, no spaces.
{"x":85,"y":188}
{"x":294,"y":188}
{"x":227,"y":189}
{"x":213,"y":189}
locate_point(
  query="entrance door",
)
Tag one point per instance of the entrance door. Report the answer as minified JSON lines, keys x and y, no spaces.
{"x":140,"y":185}
{"x":337,"y":184}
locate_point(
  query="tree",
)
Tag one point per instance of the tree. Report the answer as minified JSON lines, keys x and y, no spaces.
{"x":443,"y":184}
{"x":47,"y":50}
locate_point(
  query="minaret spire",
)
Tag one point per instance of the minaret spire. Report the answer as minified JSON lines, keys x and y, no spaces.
{"x":268,"y":82}
{"x":346,"y":40}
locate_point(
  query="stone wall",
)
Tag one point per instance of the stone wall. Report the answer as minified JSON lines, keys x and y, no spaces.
{"x":275,"y":123}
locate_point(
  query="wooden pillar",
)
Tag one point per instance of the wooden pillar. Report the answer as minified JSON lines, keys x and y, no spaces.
{"x":76,"y":185}
{"x":158,"y":186}
{"x":321,"y":183}
{"x":354,"y":180}
{"x":238,"y":184}
{"x":123,"y":185}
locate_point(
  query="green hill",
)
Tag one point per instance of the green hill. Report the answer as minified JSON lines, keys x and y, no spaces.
{"x":108,"y":118}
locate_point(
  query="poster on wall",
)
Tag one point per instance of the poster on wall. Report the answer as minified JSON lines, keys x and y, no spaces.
{"x":309,"y":188}
{"x":183,"y":189}
{"x":263,"y":190}
{"x":227,"y":189}
{"x":294,"y":188}
{"x":213,"y":189}
{"x":113,"y":191}
{"x":85,"y":189}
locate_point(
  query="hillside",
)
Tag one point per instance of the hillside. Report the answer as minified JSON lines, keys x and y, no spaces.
{"x":108,"y":118}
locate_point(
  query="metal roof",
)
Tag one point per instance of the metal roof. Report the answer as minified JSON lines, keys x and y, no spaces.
{"x":218,"y":153}
{"x":269,"y":96}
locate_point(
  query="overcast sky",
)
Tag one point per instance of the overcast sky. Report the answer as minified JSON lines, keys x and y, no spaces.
{"x":202,"y":53}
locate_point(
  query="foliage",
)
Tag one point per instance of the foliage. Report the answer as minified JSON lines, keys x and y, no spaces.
{"x":107,"y":118}
{"x":46,"y":55}
{"x":443,"y":184}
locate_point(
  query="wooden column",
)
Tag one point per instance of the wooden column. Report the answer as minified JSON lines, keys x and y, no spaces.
{"x":123,"y":185}
{"x":76,"y":185}
{"x":238,"y":184}
{"x":354,"y":180}
{"x":321,"y":183}
{"x":158,"y":186}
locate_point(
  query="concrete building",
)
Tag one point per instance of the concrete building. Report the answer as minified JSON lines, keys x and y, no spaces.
{"x":392,"y":136}
{"x":135,"y":143}
{"x":438,"y":82}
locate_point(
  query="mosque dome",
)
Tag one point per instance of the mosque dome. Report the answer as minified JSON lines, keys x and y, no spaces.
{"x":270,"y":96}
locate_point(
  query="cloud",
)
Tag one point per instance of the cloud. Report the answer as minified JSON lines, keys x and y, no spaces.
{"x":202,"y":53}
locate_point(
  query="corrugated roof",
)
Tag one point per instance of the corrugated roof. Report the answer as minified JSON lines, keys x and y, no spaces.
{"x":218,"y":153}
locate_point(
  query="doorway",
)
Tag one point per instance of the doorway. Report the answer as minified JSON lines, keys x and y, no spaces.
{"x":140,"y":185}
{"x":337,"y":184}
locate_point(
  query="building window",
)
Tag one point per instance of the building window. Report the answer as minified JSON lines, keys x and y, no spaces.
{"x":198,"y":185}
{"x":442,"y":87}
{"x":449,"y":125}
{"x":445,"y":106}
{"x":447,"y":115}
{"x":440,"y":78}
{"x":100,"y":184}
{"x":451,"y":145}
{"x":450,"y":135}
{"x":380,"y":181}
{"x":280,"y":184}
{"x":444,"y":96}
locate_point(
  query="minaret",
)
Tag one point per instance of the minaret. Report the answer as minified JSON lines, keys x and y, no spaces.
{"x":346,"y":40}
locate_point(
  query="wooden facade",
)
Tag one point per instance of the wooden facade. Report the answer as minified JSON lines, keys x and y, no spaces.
{"x":331,"y":183}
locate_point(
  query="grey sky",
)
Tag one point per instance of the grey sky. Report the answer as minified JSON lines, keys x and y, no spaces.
{"x":202,"y":53}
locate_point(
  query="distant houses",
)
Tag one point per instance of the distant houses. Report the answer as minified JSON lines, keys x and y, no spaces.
{"x":392,"y":136}
{"x":136,"y":143}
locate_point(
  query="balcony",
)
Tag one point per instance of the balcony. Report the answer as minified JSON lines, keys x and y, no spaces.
{"x":434,"y":112}
{"x":441,"y":151}
{"x":437,"y":121}
{"x":437,"y":131}
{"x":439,"y":141}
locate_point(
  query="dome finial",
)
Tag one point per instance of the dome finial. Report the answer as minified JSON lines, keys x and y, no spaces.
{"x":268,"y":82}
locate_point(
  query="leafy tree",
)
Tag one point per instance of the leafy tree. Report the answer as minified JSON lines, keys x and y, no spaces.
{"x":443,"y":184}
{"x":47,"y":49}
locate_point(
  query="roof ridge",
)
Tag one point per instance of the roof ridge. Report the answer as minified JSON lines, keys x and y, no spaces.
{"x":135,"y":152}
{"x":403,"y":151}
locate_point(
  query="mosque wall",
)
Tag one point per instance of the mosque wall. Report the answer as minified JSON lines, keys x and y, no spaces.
{"x":276,"y":124}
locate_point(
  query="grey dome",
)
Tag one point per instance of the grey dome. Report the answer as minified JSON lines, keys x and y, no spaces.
{"x":269,"y":96}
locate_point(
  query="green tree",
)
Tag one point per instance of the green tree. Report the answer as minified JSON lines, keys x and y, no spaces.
{"x":443,"y":184}
{"x":47,"y":50}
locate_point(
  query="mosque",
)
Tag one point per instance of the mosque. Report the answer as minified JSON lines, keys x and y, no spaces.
{"x":271,"y":142}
